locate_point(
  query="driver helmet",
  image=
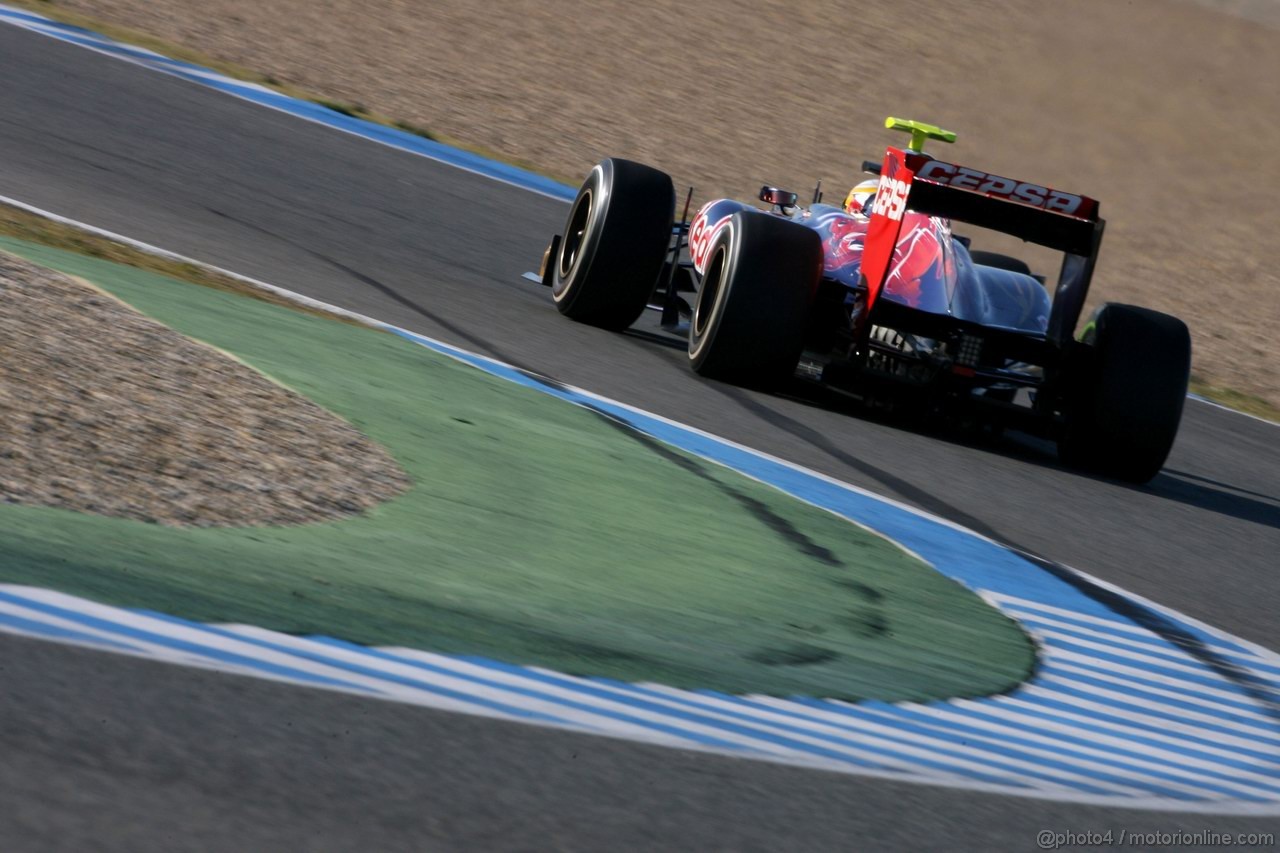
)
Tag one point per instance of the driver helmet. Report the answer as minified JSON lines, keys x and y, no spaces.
{"x":858,"y":202}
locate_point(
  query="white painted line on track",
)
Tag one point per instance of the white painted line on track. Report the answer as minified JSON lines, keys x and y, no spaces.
{"x":291,"y":296}
{"x":1206,"y":401}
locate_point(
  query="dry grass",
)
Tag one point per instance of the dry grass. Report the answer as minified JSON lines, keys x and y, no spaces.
{"x":18,"y":223}
{"x":1236,"y":400}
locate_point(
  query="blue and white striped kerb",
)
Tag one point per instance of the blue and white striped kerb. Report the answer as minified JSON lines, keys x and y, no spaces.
{"x":1115,"y":715}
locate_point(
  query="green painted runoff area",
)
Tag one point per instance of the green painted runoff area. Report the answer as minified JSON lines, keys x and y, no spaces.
{"x":536,"y":532}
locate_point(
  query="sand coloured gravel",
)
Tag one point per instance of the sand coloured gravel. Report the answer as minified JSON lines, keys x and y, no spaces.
{"x":106,"y":411}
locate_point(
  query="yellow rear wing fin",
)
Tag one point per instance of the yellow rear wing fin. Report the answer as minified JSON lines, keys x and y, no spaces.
{"x":919,"y":132}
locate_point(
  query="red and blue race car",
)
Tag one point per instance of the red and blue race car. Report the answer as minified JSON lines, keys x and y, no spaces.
{"x":880,"y":298}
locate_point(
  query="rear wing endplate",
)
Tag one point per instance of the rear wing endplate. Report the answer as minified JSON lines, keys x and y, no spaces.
{"x":1062,"y":221}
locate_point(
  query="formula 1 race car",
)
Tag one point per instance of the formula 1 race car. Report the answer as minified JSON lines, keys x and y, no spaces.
{"x":880,"y":299}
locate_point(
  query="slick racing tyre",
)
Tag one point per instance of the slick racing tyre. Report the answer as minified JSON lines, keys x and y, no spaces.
{"x":752,"y":306}
{"x":615,"y":244}
{"x":1125,"y":399}
{"x":999,"y":261}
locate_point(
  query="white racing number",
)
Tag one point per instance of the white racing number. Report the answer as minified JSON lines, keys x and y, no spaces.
{"x":891,"y":198}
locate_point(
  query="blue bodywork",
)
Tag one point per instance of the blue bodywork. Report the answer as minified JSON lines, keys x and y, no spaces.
{"x":931,"y":271}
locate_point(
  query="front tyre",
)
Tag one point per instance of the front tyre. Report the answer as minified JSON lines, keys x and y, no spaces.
{"x":1126,"y":397}
{"x":752,"y":307}
{"x":614,"y":245}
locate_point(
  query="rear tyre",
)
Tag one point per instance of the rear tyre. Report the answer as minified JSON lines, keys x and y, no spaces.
{"x":752,"y":306}
{"x":999,"y":261}
{"x":1126,"y":394}
{"x":615,"y":243}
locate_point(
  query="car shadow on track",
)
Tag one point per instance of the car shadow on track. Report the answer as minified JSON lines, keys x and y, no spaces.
{"x":1193,"y":490}
{"x":1215,"y":496}
{"x":814,"y":396}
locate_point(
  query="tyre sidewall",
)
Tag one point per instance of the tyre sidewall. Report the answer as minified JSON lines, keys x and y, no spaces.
{"x":598,"y":186}
{"x":755,"y":329}
{"x":1127,"y":404}
{"x":625,"y":242}
{"x":702,"y":330}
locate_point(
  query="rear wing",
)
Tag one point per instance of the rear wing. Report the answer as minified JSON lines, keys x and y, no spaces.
{"x":1059,"y":220}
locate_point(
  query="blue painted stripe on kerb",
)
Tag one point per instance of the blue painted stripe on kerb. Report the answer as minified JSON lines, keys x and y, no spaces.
{"x":1251,"y":668}
{"x":1139,"y":743}
{"x":691,"y":700}
{"x":1043,"y":716}
{"x":211,"y":652}
{"x":597,"y":710}
{"x":356,"y":669}
{"x":1144,"y":697}
{"x":1194,"y":685}
{"x":1132,"y":704}
{"x":663,"y":728}
{"x":754,"y":731}
{"x":1013,"y":746}
{"x":637,"y":697}
{"x":56,"y":632}
{"x":1227,"y":771}
{"x":1069,"y":747}
{"x":1112,"y":631}
{"x":1114,"y":714}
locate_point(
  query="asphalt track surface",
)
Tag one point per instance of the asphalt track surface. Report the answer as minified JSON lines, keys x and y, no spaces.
{"x":113,"y":753}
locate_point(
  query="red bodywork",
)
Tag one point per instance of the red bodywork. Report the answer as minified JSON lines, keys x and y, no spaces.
{"x":904,"y":252}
